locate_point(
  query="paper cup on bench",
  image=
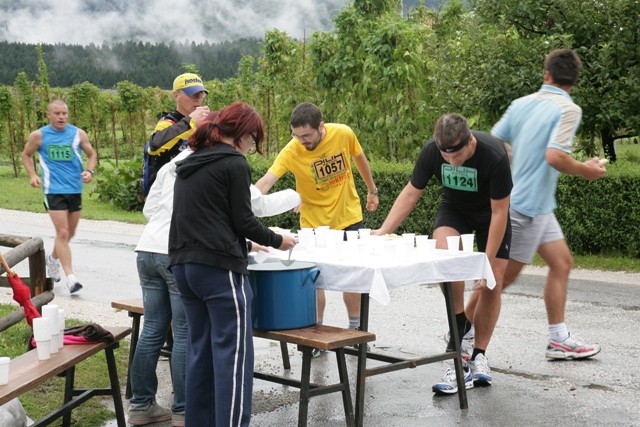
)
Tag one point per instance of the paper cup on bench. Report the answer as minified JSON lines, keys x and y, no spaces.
{"x":42,"y":335}
{"x":4,"y":370}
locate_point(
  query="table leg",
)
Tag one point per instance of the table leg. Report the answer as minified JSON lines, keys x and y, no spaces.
{"x":362,"y":362}
{"x":453,"y":328}
{"x":135,"y":333}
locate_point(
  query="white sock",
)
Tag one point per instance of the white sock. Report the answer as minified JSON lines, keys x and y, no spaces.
{"x":558,"y":332}
{"x":72,"y":279}
{"x":53,"y":260}
{"x":354,"y":322}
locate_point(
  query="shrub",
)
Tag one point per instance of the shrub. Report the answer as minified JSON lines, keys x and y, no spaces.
{"x":120,"y":186}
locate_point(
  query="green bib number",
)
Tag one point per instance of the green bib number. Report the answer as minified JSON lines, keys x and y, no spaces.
{"x":60,"y":153}
{"x":460,"y":178}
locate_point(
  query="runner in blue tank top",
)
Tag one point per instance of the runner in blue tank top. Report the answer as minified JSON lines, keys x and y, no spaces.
{"x":59,"y":146}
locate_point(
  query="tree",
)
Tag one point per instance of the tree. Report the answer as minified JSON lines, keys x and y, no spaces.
{"x":606,"y":35}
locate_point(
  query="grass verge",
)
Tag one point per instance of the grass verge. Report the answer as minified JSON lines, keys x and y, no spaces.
{"x":17,"y":194}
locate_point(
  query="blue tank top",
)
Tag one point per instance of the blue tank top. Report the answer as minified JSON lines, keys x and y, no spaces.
{"x":61,"y":160}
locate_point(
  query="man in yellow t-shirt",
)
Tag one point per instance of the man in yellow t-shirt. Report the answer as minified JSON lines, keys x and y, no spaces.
{"x":319,"y":156}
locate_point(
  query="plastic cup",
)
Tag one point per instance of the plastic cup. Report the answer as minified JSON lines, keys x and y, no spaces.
{"x":467,"y":242}
{"x":322,"y":236}
{"x":42,"y":335}
{"x":51,"y":311}
{"x":421,"y":243}
{"x":364,"y":233}
{"x":430,"y":246}
{"x":389,"y":248}
{"x":44,"y":349}
{"x":352,"y":235}
{"x":409,"y":239}
{"x":307,"y":241}
{"x":4,"y":370}
{"x":453,"y":243}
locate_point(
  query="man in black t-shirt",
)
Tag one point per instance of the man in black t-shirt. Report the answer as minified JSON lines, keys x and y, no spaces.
{"x":473,"y":169}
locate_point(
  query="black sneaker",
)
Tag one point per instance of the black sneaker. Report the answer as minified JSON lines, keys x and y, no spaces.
{"x":74,"y":288}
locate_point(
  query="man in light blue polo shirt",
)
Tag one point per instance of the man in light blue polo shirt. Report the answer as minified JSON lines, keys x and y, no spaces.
{"x":540,"y":129}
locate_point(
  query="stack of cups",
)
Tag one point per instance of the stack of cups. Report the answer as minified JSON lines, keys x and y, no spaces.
{"x":42,"y":335}
{"x":51,"y":311}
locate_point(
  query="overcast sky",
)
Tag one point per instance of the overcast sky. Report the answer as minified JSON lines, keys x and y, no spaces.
{"x":94,"y":21}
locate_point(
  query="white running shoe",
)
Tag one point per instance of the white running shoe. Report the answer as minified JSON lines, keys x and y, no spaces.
{"x":571,"y":348}
{"x":449,"y":385}
{"x":480,"y":371}
{"x":54,"y":268}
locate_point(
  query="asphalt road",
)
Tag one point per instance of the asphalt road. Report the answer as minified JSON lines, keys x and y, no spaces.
{"x":527,"y":389}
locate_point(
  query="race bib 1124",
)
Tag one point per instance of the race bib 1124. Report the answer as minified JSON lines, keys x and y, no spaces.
{"x":460,"y":178}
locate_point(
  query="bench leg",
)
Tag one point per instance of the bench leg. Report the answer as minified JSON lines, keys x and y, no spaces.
{"x":285,"y":355}
{"x":305,"y":379}
{"x":115,"y":386}
{"x":68,"y":393}
{"x":135,"y":333}
{"x":346,"y":390}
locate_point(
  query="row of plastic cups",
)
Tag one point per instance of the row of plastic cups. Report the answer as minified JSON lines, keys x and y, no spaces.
{"x":453,"y":243}
{"x":48,"y":331}
{"x":325,"y":237}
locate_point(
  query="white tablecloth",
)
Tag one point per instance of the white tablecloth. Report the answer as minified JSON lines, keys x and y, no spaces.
{"x":350,"y":269}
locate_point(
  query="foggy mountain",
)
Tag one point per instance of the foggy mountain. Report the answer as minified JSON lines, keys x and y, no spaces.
{"x":96,"y":21}
{"x":82,"y":22}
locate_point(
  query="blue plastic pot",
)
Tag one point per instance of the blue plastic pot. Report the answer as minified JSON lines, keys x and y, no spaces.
{"x":284,"y":297}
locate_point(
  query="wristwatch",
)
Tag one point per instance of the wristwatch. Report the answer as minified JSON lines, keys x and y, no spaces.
{"x":90,"y":171}
{"x":374,"y":192}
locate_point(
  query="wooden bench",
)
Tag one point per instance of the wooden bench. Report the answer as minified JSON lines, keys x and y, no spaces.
{"x":135,"y":310}
{"x":27,"y":372}
{"x":323,"y":337}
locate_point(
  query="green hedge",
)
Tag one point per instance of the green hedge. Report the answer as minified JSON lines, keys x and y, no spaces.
{"x":597,"y":217}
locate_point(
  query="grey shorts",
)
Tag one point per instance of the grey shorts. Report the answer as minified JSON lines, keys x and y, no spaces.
{"x":529,"y":233}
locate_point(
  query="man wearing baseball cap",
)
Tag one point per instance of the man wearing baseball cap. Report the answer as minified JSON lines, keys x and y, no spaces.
{"x":174,"y":128}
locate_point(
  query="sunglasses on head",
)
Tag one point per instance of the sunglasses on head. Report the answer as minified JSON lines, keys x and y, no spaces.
{"x":453,"y":148}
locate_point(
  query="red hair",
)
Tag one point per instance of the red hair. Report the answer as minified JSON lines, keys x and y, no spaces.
{"x":233,"y":121}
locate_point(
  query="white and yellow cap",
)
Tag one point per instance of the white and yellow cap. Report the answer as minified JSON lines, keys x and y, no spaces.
{"x":189,"y":83}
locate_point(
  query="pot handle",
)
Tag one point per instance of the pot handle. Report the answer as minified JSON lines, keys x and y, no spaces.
{"x":313,"y":274}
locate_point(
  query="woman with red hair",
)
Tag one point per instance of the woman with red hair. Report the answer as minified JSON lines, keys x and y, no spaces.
{"x":210,"y":225}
